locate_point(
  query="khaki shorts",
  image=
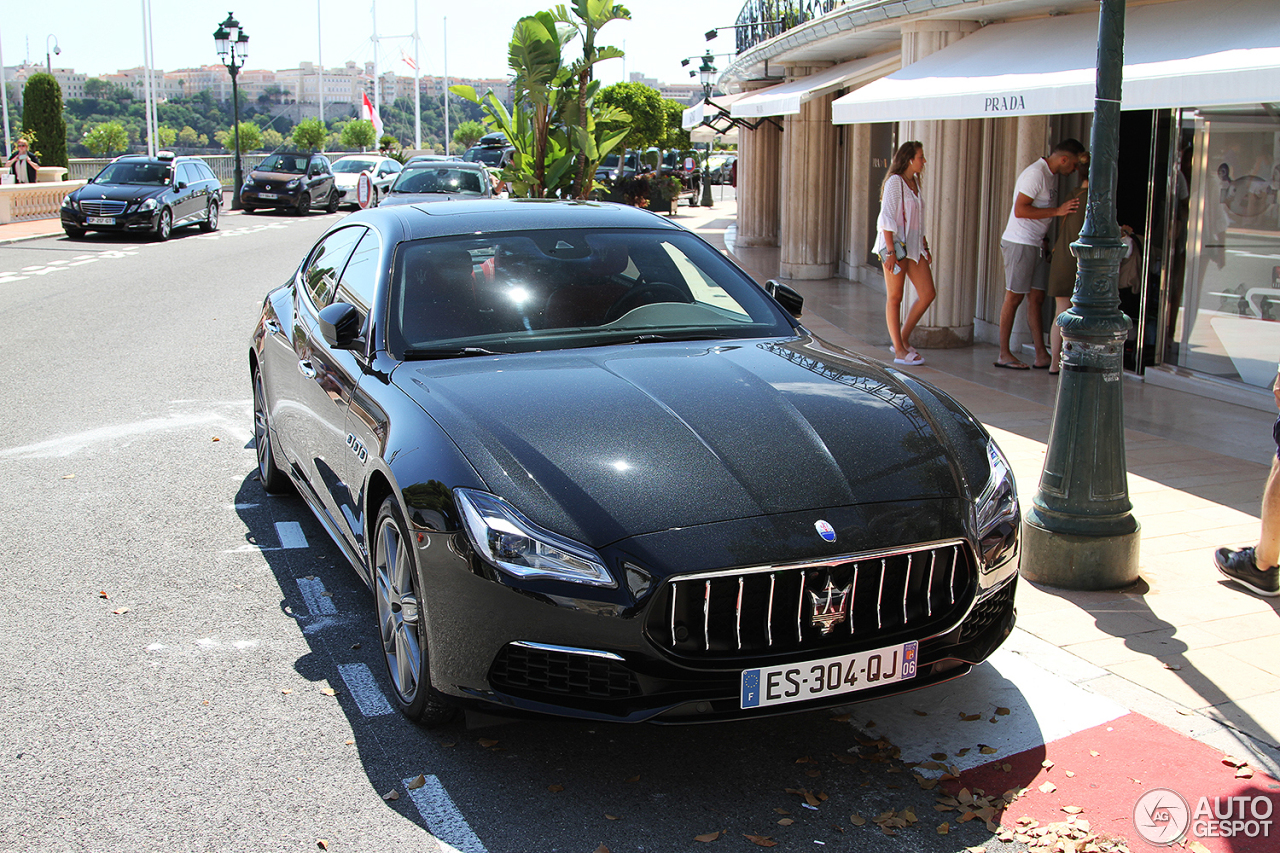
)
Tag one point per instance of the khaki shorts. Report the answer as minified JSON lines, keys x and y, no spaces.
{"x":1024,"y":269}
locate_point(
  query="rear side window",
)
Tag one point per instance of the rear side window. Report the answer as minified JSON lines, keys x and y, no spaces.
{"x":360,"y":277}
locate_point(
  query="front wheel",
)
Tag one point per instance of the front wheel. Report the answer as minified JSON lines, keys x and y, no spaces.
{"x":272,"y":478}
{"x":401,"y":626}
{"x":164,"y":226}
{"x":334,"y":198}
{"x":304,"y":204}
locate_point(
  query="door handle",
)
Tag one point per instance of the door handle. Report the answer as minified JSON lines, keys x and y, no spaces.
{"x":272,"y":327}
{"x":305,"y":368}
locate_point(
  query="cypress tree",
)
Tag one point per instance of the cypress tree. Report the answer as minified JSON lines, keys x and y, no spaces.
{"x":42,"y":113}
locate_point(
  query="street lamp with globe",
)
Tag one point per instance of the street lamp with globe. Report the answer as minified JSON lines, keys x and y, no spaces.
{"x":707,"y":74}
{"x":233,"y":49}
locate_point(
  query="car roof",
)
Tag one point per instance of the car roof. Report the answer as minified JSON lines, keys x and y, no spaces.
{"x":444,"y":164}
{"x":362,"y":157}
{"x":439,"y":219}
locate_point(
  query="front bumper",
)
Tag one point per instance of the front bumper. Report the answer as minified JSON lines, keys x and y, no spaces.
{"x":142,"y":220}
{"x":251,"y":197}
{"x":625,"y":655}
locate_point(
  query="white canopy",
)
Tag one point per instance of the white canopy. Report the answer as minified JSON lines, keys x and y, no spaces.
{"x":693,"y":116}
{"x":786,"y":98}
{"x":1186,"y":54}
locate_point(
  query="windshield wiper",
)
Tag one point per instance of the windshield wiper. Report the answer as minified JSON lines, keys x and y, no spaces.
{"x":652,"y":338}
{"x":449,"y":352}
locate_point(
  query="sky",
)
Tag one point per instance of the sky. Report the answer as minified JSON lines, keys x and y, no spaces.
{"x":97,"y":39}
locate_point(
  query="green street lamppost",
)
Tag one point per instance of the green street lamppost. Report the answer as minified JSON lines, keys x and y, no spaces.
{"x":1080,"y":532}
{"x":707,"y":73}
{"x":233,"y":49}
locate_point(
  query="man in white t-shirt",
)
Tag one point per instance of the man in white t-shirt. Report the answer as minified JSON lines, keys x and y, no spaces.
{"x":1022,"y":244}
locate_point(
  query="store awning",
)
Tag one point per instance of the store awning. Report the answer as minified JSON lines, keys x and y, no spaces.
{"x":786,"y":98}
{"x":1186,"y":54}
{"x":693,"y":116}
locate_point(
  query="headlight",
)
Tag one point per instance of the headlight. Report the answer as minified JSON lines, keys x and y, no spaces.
{"x":294,"y":184}
{"x":248,"y":181}
{"x":68,"y":202}
{"x":149,"y":204}
{"x":998,"y":514}
{"x":519,"y":547}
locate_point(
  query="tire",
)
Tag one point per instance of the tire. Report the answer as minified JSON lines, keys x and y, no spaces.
{"x":304,"y":204}
{"x":332,"y":206}
{"x":272,"y":478}
{"x":73,"y":233}
{"x":402,"y":631}
{"x":210,"y":218}
{"x":164,"y":225}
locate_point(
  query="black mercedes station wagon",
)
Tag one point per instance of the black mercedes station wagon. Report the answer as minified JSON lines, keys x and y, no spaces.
{"x":590,"y":468}
{"x":149,"y":194}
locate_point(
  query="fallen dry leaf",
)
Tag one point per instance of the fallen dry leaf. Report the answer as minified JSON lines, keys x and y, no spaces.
{"x":1048,"y":788}
{"x":969,"y":718}
{"x":328,"y":691}
{"x":1094,"y":753}
{"x":555,"y":789}
{"x":601,"y":849}
{"x":858,"y":820}
{"x":120,"y":610}
{"x":635,"y":778}
{"x":760,"y":840}
{"x":843,"y":718}
{"x":921,"y":713}
{"x":1197,"y":847}
{"x":286,"y":691}
{"x":102,"y":593}
{"x":393,"y":794}
{"x":416,"y":782}
{"x":786,"y":821}
{"x":1047,"y":764}
{"x":1244,"y":773}
{"x":487,"y":742}
{"x":1072,"y":809}
{"x":68,"y":476}
{"x":215,"y":438}
{"x":1173,"y":666}
{"x":1070,"y":774}
{"x":944,"y":828}
{"x":805,"y":760}
{"x":989,"y":750}
{"x":610,"y":817}
{"x":708,"y":837}
{"x":322,"y":844}
{"x":1232,"y":761}
{"x":939,"y":756}
{"x":1002,"y":712}
{"x":781,"y":811}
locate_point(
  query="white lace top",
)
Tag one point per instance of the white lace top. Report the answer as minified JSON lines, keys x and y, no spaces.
{"x":902,"y":212}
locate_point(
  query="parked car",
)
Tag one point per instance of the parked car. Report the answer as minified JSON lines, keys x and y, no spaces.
{"x":347,"y":171}
{"x":492,"y":150}
{"x":720,"y":167}
{"x":613,"y":170}
{"x":427,"y":181}
{"x":430,"y":158}
{"x":290,"y":179}
{"x":590,"y":468}
{"x":149,"y":194}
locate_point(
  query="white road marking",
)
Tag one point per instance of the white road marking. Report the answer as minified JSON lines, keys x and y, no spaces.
{"x":291,"y":535}
{"x":1043,"y":706}
{"x":364,"y":689}
{"x":313,"y":594}
{"x":443,"y":818}
{"x":230,"y":424}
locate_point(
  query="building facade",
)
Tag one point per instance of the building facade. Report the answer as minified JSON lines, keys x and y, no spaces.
{"x":989,"y":86}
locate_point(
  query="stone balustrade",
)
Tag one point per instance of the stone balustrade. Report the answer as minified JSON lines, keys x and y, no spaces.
{"x":41,"y":200}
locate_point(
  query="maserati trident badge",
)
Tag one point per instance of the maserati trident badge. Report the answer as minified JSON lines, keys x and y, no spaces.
{"x":830,"y":606}
{"x":826,"y":531}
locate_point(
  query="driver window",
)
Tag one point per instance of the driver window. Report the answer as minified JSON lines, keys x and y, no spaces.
{"x":327,"y":260}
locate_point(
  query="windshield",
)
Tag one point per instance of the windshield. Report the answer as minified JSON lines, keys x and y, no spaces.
{"x":137,"y":174}
{"x":563,"y":289}
{"x":488,"y":156}
{"x":437,"y":179}
{"x":353,"y":166}
{"x":286,"y":163}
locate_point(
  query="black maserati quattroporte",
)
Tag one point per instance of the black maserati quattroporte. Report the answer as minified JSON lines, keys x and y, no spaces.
{"x":590,"y":468}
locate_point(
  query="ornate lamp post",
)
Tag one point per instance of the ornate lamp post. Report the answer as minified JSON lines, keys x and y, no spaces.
{"x":233,"y":49}
{"x":707,"y":74}
{"x":1080,"y":532}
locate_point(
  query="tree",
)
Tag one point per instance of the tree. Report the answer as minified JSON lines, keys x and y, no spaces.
{"x":166,"y":136}
{"x":676,"y":136}
{"x":250,"y":138}
{"x":189,"y":137}
{"x":647,"y":125}
{"x":272,"y":138}
{"x":107,"y":138}
{"x":467,"y":134}
{"x":387,"y":143}
{"x":358,"y":133}
{"x":42,"y":114}
{"x":593,"y":15}
{"x":310,"y":134}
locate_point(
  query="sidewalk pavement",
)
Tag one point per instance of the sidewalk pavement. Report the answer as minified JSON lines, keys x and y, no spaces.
{"x":1183,"y":646}
{"x":29,"y":229}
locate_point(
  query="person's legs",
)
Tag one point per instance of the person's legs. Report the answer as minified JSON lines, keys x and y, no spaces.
{"x":1008,"y":311}
{"x":1019,"y":266}
{"x":894,"y":284}
{"x":921,"y":274}
{"x":1256,"y":568}
{"x":1060,"y":304}
{"x":1035,"y":319}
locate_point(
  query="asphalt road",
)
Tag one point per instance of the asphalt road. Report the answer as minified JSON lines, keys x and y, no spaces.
{"x":188,"y":664}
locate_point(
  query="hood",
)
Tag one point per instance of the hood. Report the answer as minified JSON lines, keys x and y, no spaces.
{"x":117,"y":192}
{"x":273,"y":177}
{"x":427,"y":198}
{"x":612,"y":442}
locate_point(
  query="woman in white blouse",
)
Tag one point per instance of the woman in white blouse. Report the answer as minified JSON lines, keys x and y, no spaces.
{"x":900,"y":228}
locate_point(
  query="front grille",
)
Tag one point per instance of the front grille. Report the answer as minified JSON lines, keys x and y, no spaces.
{"x":103,"y":207}
{"x":522,"y":669}
{"x":861,"y":600}
{"x":988,"y":611}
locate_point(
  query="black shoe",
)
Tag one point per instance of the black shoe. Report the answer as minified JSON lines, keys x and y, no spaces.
{"x":1241,"y":568}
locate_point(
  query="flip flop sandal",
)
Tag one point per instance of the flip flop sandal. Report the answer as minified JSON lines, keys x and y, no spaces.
{"x":910,"y":349}
{"x":912,"y":359}
{"x":1011,"y":365}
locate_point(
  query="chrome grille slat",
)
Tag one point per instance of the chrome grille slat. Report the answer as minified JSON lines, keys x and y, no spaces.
{"x":103,"y":207}
{"x":732,"y":614}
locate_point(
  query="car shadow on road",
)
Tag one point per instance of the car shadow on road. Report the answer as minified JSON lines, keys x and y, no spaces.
{"x":552,"y":784}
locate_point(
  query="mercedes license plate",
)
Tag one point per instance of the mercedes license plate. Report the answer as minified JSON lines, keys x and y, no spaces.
{"x":778,"y":685}
{"x":271,"y":196}
{"x":100,"y":220}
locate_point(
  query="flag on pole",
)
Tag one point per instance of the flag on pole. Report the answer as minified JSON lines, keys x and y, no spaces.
{"x":413,"y":66}
{"x":368,"y":113}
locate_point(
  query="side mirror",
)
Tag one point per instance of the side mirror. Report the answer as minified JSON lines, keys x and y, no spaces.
{"x":340,"y":325}
{"x":180,"y":185}
{"x":791,"y":302}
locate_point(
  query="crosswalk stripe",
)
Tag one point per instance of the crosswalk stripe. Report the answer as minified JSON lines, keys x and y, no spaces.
{"x":313,"y":593}
{"x":364,"y":689}
{"x":443,"y":818}
{"x":291,"y":535}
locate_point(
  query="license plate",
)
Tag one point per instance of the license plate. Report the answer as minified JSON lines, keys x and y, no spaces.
{"x":100,"y":220}
{"x":268,"y":195}
{"x":778,"y":685}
